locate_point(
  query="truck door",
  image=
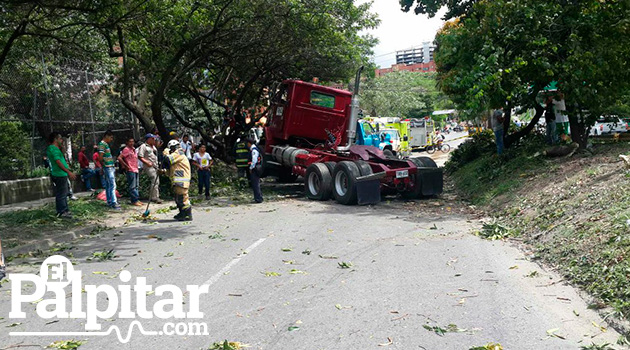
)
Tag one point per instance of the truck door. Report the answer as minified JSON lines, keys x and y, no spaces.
{"x":280,"y":105}
{"x":367,"y":135}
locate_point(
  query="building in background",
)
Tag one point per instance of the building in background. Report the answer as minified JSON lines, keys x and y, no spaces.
{"x":416,"y":55}
{"x":415,"y":59}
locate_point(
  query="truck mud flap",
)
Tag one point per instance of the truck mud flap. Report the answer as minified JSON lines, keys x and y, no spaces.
{"x":432,"y":181}
{"x":368,"y":192}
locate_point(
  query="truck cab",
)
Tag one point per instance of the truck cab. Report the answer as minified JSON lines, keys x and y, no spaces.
{"x":368,"y":136}
{"x":315,"y":132}
{"x":401,"y":144}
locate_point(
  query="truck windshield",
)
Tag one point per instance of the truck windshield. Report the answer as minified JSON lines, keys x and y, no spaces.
{"x":393,"y":135}
{"x":367,"y":129}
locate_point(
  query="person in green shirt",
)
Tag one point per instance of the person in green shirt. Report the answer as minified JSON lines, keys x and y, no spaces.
{"x":108,"y":170}
{"x":60,"y":173}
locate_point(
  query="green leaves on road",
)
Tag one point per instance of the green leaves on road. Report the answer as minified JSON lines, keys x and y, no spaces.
{"x":226,"y":345}
{"x":494,"y":231}
{"x":344,"y":265}
{"x":594,"y":346}
{"x":66,"y":344}
{"x":102,"y":255}
{"x":451,"y":328}
{"x":489,"y":346}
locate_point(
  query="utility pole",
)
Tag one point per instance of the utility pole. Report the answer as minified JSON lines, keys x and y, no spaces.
{"x":34,"y":115}
{"x":87,"y":89}
{"x":45,"y":73}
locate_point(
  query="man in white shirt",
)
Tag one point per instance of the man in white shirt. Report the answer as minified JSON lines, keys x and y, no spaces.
{"x":147,"y":154}
{"x":186,"y":146}
{"x":562,"y":120}
{"x":202,"y":161}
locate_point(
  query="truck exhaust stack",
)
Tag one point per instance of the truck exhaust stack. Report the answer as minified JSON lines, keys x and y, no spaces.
{"x":354,"y":114}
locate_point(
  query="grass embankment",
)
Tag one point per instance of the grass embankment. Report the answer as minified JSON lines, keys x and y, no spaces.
{"x":573,"y":212}
{"x":31,"y":224}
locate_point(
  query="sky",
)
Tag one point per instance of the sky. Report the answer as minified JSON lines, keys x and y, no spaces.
{"x":400,"y":30}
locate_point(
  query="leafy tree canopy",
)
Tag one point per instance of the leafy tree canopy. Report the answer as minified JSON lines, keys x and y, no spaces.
{"x":455,"y":8}
{"x":503,"y":53}
{"x":402,"y":94}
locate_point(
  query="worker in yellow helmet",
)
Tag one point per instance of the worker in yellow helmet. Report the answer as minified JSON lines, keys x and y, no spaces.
{"x":178,"y":166}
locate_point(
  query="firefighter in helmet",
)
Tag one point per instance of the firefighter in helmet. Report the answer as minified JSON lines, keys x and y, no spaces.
{"x":178,"y":169}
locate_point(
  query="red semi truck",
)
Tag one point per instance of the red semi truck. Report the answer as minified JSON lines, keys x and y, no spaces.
{"x":311,"y":132}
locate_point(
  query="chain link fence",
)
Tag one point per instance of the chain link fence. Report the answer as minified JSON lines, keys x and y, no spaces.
{"x":38,"y":96}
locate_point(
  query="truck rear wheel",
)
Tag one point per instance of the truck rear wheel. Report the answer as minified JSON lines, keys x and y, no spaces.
{"x":331,"y":166}
{"x":364,"y":167}
{"x":424,"y":162}
{"x":417,"y":180}
{"x":420,"y":162}
{"x":318,"y":182}
{"x":344,"y":182}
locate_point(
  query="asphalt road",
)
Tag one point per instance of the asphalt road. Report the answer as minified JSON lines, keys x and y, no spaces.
{"x":275,"y":282}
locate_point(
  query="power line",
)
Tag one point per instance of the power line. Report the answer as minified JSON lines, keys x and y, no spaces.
{"x":385,"y":54}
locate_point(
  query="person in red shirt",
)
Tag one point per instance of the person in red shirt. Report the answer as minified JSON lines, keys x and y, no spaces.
{"x":86,"y":172}
{"x":128,"y":159}
{"x":97,"y":166}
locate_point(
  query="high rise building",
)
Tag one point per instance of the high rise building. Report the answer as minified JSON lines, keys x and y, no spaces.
{"x":416,"y":59}
{"x":415,"y":55}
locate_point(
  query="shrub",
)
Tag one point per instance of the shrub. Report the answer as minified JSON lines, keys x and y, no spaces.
{"x":480,"y":144}
{"x":39,"y":171}
{"x":16,"y":150}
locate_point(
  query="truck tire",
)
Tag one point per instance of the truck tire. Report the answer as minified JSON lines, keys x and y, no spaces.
{"x":364,"y":167}
{"x":425,"y":162}
{"x":331,"y":166}
{"x":421,"y":162}
{"x":417,"y":189}
{"x":344,"y":182}
{"x":389,"y":154}
{"x":318,"y":182}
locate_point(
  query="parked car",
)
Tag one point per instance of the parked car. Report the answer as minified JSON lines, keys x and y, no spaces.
{"x":608,"y":125}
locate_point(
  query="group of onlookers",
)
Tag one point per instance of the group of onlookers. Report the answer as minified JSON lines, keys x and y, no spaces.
{"x":144,"y":160}
{"x":557,"y":122}
{"x":132,"y":161}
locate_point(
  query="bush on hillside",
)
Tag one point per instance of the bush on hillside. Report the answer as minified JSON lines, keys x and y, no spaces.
{"x":480,"y":144}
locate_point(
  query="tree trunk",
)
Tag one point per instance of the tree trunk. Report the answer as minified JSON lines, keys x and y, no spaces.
{"x":156,"y":113}
{"x":579,"y":130}
{"x":7,"y":46}
{"x":507,"y":120}
{"x":517,"y":136}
